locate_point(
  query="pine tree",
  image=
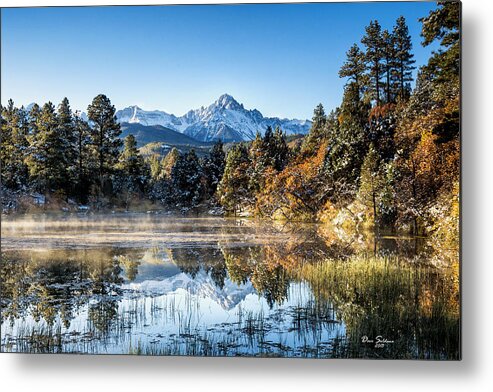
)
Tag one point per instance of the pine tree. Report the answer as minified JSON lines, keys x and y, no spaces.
{"x":82,"y":133}
{"x":440,"y":78}
{"x":46,"y":160}
{"x":4,"y":142}
{"x":380,"y":130}
{"x":354,"y":68}
{"x":214,"y":167}
{"x":267,"y":144}
{"x":259,"y":161}
{"x":104,"y":136}
{"x":233,"y":190}
{"x":160,"y":171}
{"x":317,"y":131}
{"x":34,"y":114}
{"x":348,"y":147}
{"x":6,"y":137}
{"x":186,"y":180}
{"x":130,"y":160}
{"x":374,"y":57}
{"x":403,"y":58}
{"x":129,"y":181}
{"x":14,"y":131}
{"x":256,"y":146}
{"x":389,"y":64}
{"x":68,"y":140}
{"x":14,"y":144}
{"x":33,"y":134}
{"x":371,"y":183}
{"x":443,"y":24}
{"x":267,"y":148}
{"x":319,"y":117}
{"x":280,"y":151}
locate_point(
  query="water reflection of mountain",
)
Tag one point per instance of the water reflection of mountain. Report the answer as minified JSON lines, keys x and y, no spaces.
{"x":199,"y":270}
{"x":202,"y":285}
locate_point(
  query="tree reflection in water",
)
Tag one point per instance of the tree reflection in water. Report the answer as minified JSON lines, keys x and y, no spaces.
{"x":323,"y":292}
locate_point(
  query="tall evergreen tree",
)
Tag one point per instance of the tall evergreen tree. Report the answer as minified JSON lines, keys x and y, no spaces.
{"x":380,"y":130}
{"x":130,"y":160}
{"x":46,"y":160}
{"x":319,"y":117}
{"x":4,"y":142}
{"x":33,"y":117}
{"x":354,"y":68}
{"x":280,"y":151}
{"x":440,"y":78}
{"x":443,"y":24}
{"x":129,"y":181}
{"x":404,"y":59}
{"x":389,"y":64}
{"x":82,"y":133}
{"x":259,"y":161}
{"x":256,"y":145}
{"x":214,"y":167}
{"x":348,"y":147}
{"x":186,"y":180}
{"x":14,"y":131}
{"x":266,"y":153}
{"x":161,"y":175}
{"x":68,"y":140}
{"x":374,"y":58}
{"x":104,"y":134}
{"x":376,"y":190}
{"x":317,"y":131}
{"x":233,"y":190}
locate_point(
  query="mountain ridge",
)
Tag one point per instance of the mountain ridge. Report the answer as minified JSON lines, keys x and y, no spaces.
{"x":145,"y":134}
{"x":225,"y":119}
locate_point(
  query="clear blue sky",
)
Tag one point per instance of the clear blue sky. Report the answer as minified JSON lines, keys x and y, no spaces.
{"x":281,"y":59}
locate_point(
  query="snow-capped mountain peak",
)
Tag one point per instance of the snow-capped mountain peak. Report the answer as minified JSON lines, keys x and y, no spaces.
{"x":225,"y":119}
{"x":226,"y":101}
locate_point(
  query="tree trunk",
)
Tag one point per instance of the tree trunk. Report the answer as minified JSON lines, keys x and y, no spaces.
{"x":374,"y":210}
{"x":388,"y":81}
{"x":415,"y":218}
{"x":402,"y":80}
{"x":101,"y":133}
{"x":80,"y":168}
{"x":377,"y":83}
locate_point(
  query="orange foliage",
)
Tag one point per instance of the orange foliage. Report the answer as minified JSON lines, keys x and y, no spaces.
{"x":299,"y":183}
{"x":382,"y":110}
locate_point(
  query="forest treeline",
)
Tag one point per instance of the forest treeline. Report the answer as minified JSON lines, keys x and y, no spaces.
{"x":387,"y":157}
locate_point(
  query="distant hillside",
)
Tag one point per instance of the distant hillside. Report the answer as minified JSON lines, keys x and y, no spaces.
{"x":156,"y":139}
{"x":293,"y":142}
{"x":158,"y":148}
{"x":157,"y":133}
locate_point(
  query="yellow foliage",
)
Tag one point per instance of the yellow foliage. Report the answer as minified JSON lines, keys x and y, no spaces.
{"x":296,"y":186}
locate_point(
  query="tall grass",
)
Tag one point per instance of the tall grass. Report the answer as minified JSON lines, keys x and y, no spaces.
{"x":413,"y":304}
